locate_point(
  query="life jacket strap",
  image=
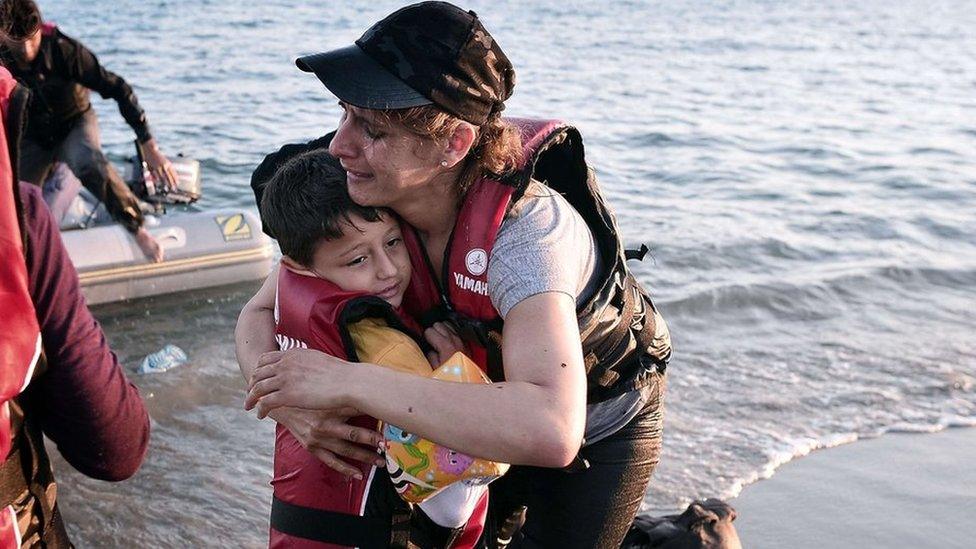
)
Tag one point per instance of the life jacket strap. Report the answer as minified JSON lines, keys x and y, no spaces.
{"x":400,"y":529}
{"x":28,"y":471}
{"x":329,"y":526}
{"x":630,"y":342}
{"x":13,"y":482}
{"x":359,"y":531}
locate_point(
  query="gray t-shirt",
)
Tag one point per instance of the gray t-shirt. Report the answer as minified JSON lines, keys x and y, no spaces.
{"x":542,"y":246}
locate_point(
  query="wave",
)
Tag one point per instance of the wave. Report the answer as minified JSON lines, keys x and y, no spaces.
{"x":802,"y":447}
{"x":813,"y":296}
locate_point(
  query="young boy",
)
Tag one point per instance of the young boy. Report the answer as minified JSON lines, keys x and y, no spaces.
{"x":344,"y":273}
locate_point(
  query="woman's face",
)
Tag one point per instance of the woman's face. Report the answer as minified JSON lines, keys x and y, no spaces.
{"x":385,"y":163}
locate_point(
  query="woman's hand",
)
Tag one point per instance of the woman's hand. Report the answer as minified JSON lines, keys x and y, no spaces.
{"x":445,"y":342}
{"x":326,"y":435}
{"x":300,"y":378}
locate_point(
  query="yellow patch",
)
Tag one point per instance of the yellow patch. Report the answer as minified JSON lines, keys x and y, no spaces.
{"x":233,"y":227}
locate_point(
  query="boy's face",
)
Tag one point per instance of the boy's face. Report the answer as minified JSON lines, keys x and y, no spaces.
{"x":369,"y":257}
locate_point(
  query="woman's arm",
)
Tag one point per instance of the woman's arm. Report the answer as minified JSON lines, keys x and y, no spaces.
{"x":536,"y":417}
{"x":324,"y":433}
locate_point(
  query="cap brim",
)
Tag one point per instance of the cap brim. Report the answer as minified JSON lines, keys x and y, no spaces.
{"x":357,"y":79}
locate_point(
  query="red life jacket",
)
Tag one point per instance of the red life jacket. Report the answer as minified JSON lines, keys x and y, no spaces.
{"x":311,"y":500}
{"x":617,"y":324}
{"x":20,"y":345}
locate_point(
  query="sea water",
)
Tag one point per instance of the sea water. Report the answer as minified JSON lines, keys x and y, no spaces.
{"x":803,"y":173}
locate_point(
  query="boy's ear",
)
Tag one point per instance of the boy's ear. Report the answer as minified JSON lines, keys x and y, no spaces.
{"x":294,"y":266}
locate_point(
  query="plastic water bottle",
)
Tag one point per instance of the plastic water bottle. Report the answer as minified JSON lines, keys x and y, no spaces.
{"x":164,"y":359}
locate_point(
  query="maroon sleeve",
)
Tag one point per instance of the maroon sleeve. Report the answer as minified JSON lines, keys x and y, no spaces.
{"x":84,"y":401}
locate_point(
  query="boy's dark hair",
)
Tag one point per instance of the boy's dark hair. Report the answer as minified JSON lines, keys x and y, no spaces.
{"x":306,"y":201}
{"x":19,"y":18}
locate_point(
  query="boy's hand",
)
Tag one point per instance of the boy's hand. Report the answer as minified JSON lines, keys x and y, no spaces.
{"x":445,"y":342}
{"x":326,"y":435}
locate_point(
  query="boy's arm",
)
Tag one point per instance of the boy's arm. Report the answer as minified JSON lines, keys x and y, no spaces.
{"x":324,"y":433}
{"x":254,"y":333}
{"x":444,"y":341}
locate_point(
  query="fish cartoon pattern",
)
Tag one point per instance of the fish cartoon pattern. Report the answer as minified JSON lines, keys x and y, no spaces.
{"x":420,"y":468}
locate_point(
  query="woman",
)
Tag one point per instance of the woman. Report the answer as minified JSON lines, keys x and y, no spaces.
{"x":421,"y":133}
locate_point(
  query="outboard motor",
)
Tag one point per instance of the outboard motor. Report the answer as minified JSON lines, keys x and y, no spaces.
{"x":144,"y":184}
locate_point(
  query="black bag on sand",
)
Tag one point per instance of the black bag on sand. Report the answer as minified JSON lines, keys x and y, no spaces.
{"x":705,"y":524}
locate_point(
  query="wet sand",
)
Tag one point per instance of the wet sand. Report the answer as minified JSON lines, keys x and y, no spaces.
{"x":900,"y":490}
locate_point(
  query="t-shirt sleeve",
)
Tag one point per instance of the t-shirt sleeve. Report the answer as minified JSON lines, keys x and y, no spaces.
{"x":379,"y":344}
{"x":544,"y":247}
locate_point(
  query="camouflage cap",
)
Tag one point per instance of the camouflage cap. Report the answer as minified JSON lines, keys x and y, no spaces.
{"x":431,"y":52}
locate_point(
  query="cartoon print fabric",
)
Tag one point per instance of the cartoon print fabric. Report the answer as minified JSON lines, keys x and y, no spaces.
{"x":419,"y":468}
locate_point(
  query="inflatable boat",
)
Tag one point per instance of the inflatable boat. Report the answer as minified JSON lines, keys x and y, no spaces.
{"x":201,"y":248}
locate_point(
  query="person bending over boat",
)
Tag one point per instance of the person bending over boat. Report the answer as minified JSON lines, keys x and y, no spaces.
{"x":61,"y":123}
{"x":344,"y":272}
{"x":74,"y":390}
{"x":514,"y":244}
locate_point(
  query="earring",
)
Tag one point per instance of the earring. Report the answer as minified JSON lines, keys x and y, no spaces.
{"x":444,"y":163}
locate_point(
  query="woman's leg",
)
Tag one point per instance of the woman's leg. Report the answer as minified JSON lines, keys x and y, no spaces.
{"x":593,"y":507}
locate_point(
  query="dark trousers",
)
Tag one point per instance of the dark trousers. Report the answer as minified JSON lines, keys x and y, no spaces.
{"x":592,"y":507}
{"x":81,"y":150}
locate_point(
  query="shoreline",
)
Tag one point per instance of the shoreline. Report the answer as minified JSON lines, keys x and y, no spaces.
{"x":897,"y":490}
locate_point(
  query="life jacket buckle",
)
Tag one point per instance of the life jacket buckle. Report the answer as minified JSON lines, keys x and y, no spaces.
{"x":637,"y":254}
{"x":578,"y":465}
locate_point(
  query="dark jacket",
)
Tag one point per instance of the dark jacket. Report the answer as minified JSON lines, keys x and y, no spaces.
{"x":59,"y":79}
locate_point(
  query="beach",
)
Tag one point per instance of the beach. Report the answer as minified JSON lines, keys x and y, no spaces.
{"x":899,"y":490}
{"x":802,"y":173}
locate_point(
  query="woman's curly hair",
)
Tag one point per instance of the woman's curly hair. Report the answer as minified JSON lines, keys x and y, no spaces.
{"x":496,"y":151}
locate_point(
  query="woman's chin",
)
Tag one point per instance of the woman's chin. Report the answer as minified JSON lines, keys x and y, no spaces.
{"x":360,"y":194}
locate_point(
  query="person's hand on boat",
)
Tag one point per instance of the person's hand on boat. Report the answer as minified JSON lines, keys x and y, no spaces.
{"x":300,"y":378}
{"x":445,"y":342}
{"x":327,"y":435}
{"x":149,"y":245}
{"x":160,"y":166}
